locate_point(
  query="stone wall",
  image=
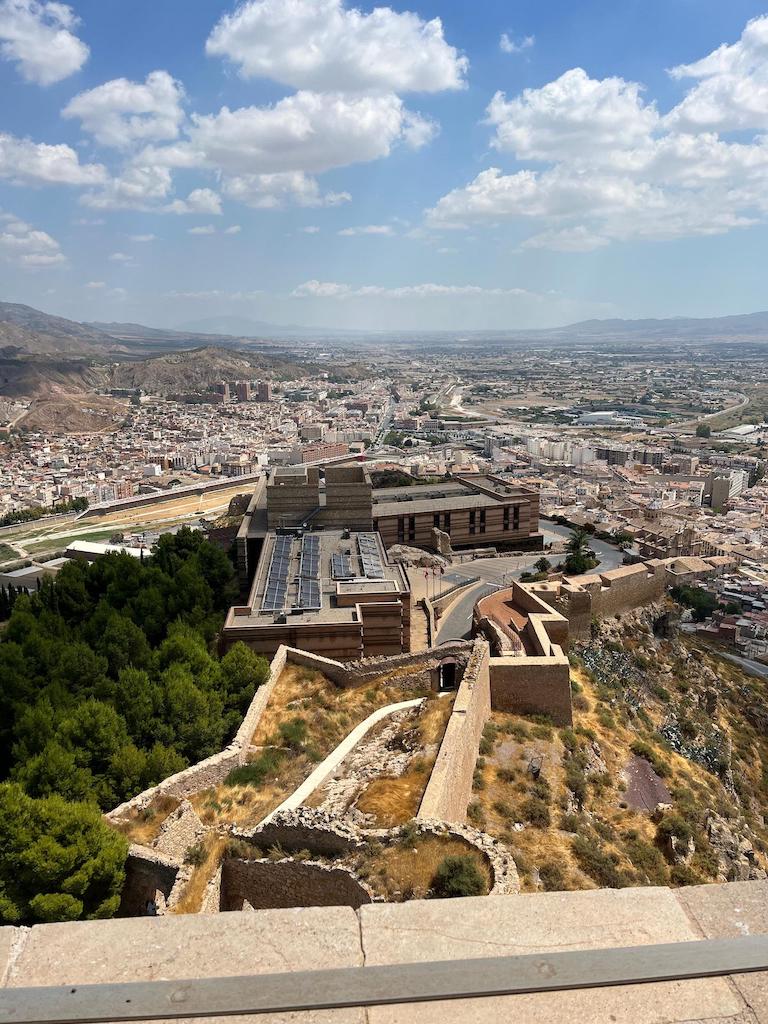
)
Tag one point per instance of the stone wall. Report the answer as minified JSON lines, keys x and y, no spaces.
{"x":449,"y":788}
{"x":532,"y":686}
{"x":147,"y":874}
{"x":267,"y":885}
{"x":304,"y":828}
{"x":180,"y":830}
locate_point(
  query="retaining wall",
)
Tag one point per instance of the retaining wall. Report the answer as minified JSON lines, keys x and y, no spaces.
{"x":532,"y":686}
{"x":267,"y":885}
{"x":449,"y":788}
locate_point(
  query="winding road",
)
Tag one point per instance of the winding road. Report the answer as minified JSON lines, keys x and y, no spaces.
{"x":496,"y":573}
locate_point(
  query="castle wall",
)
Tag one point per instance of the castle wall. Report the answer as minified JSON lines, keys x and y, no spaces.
{"x":532,"y":686}
{"x":268,"y":885}
{"x":449,"y":788}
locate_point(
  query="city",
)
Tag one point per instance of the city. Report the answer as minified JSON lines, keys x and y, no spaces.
{"x":383,"y":512}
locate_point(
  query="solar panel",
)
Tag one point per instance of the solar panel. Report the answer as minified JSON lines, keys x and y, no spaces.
{"x":277,"y":577}
{"x":309,"y":595}
{"x":369,"y":556}
{"x":341,"y":567}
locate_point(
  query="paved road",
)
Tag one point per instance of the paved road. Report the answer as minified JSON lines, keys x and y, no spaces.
{"x":754,"y":668}
{"x":498,"y":572}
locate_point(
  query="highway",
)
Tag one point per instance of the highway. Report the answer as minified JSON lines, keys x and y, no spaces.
{"x":496,"y":573}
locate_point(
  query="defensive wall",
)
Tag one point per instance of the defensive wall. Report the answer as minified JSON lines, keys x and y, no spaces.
{"x":603,"y":595}
{"x":449,"y":789}
{"x":409,"y":671}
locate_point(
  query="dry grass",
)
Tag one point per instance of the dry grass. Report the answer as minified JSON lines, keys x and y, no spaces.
{"x":192,"y":899}
{"x":394,"y":800}
{"x":143,"y":827}
{"x":405,"y":871}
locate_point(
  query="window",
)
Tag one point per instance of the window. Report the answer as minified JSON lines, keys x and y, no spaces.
{"x":447,"y":522}
{"x":436,"y":520}
{"x":482,"y":520}
{"x":505,"y":523}
{"x":411,"y":527}
{"x":516,"y":517}
{"x":400,"y":529}
{"x":472,"y":521}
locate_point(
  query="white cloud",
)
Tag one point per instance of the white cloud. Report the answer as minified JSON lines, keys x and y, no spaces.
{"x":215,"y":293}
{"x":36,"y":163}
{"x":577,"y":239}
{"x":205,"y":229}
{"x":121,"y":113}
{"x":732,"y":90}
{"x":96,"y":285}
{"x":120,"y":257}
{"x":199,"y":200}
{"x":367,"y":229}
{"x":309,"y":132}
{"x":310,"y":229}
{"x":38,"y":38}
{"x":284,"y":188}
{"x":609,"y":168}
{"x":233,"y":229}
{"x":137,"y":188}
{"x":318,"y":44}
{"x":143,"y":238}
{"x":27,"y":247}
{"x":334,"y":290}
{"x":571,"y":117}
{"x":509,"y":45}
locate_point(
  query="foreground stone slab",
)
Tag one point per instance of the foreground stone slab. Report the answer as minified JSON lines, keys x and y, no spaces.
{"x":7,"y":938}
{"x":545,"y":922}
{"x":196,"y":946}
{"x":725,"y":912}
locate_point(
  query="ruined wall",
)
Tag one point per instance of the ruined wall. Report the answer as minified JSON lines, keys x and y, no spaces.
{"x":532,"y":686}
{"x":147,"y":874}
{"x":449,"y":788}
{"x":266,"y":884}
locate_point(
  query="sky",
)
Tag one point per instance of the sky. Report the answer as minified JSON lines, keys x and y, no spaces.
{"x":422,"y":166}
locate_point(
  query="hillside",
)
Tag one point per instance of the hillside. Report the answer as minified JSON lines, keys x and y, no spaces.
{"x":29,"y":331}
{"x":661,"y":780}
{"x":196,"y":369}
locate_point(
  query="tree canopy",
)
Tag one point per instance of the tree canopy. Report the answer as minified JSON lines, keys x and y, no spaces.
{"x":59,"y":861}
{"x":108,"y":682}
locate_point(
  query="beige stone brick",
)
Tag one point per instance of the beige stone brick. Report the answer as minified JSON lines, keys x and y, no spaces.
{"x":545,"y":922}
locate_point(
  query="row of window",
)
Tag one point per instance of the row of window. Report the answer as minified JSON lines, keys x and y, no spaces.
{"x":406,"y":525}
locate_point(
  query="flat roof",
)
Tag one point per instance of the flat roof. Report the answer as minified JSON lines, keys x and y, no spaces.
{"x":290,"y":568}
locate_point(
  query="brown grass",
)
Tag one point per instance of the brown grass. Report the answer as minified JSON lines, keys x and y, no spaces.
{"x":192,"y":899}
{"x":394,"y":800}
{"x":143,"y":827}
{"x":406,"y":871}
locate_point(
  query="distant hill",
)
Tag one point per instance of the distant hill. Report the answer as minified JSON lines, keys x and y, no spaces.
{"x":32,"y":332}
{"x":740,"y":327}
{"x":196,"y":369}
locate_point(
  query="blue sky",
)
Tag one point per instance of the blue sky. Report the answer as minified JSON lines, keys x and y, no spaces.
{"x":436,"y":165}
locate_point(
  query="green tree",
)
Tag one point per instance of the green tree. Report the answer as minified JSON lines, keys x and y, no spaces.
{"x":458,"y":876}
{"x":703,"y":430}
{"x":542,"y":565}
{"x":59,"y":861}
{"x":242,"y":672}
{"x":579,"y":558}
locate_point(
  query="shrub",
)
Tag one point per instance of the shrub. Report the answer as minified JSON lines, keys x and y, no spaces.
{"x":570,"y":823}
{"x":681,"y":874}
{"x":576,"y":781}
{"x":517,"y":730}
{"x":475,"y":813}
{"x":294,"y":733}
{"x":502,"y":808}
{"x":255,"y":772}
{"x":195,"y":854}
{"x":458,"y":876}
{"x":642,"y":749}
{"x":478,"y":782}
{"x":541,"y":789}
{"x":648,"y":860}
{"x":673,"y":825}
{"x":552,"y":877}
{"x":568,"y":739}
{"x":409,"y":833}
{"x":506,"y":774}
{"x":595,"y":862}
{"x":486,"y":746}
{"x":536,"y":812}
